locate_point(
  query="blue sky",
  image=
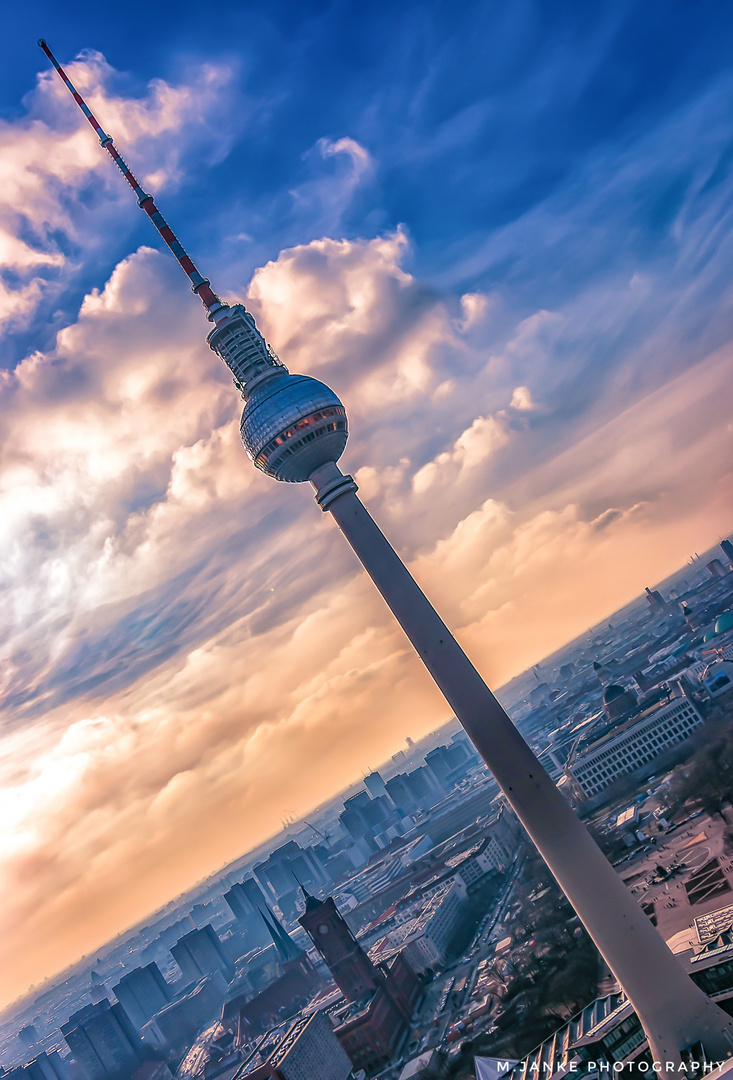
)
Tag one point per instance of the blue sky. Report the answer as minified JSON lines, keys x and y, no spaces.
{"x":502,"y":233}
{"x":505,"y":106}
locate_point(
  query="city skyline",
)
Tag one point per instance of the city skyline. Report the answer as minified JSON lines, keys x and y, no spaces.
{"x":706,"y":590}
{"x":125,"y":644}
{"x":244,"y":861}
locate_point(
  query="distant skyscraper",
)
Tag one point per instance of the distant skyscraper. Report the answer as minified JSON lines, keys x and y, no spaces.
{"x":416,"y":790}
{"x":352,"y":970}
{"x":715,"y":568}
{"x":295,"y":428}
{"x":97,"y":988}
{"x":656,"y":601}
{"x":46,"y":1067}
{"x":363,"y":816}
{"x":104,"y":1041}
{"x":280,"y":873}
{"x":375,"y":784}
{"x":401,"y":794}
{"x":727,"y":547}
{"x":28,"y":1035}
{"x":176,"y":930}
{"x":245,"y":899}
{"x":143,"y":992}
{"x":200,"y":953}
{"x":448,"y":764}
{"x":423,"y":786}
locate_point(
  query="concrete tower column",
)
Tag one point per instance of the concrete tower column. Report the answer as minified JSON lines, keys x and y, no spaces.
{"x":674,"y":1012}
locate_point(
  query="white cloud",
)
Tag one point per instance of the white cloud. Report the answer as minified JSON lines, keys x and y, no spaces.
{"x":522,"y":399}
{"x":360,"y":158}
{"x":326,"y":197}
{"x":48,"y":156}
{"x":188,"y":635}
{"x":473,"y":447}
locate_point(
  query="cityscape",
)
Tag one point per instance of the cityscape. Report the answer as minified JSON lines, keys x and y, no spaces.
{"x":408,"y":928}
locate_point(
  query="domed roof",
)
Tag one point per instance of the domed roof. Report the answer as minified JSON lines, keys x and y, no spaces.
{"x":725,"y":622}
{"x":709,"y":636}
{"x":612,"y":692}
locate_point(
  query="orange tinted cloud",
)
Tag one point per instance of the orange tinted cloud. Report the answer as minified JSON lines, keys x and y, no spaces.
{"x":190,"y":650}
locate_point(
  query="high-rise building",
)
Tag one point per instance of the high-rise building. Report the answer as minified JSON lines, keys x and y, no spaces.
{"x":295,"y":429}
{"x":245,"y":898}
{"x":460,"y":738}
{"x":200,"y":953}
{"x":176,"y":930}
{"x":727,"y":547}
{"x":352,"y":970}
{"x":448,"y":763}
{"x":656,"y":601}
{"x":366,"y":820}
{"x":143,"y":992}
{"x":424,"y":787}
{"x":174,"y":1028}
{"x":104,"y":1041}
{"x":353,"y":816}
{"x":400,"y":793}
{"x":375,"y":785}
{"x":416,"y":790}
{"x":715,"y":568}
{"x":46,"y":1067}
{"x":97,"y":988}
{"x":290,"y":864}
{"x":28,"y":1035}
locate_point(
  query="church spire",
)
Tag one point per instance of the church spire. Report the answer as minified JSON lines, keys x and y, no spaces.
{"x":312,"y":903}
{"x":287,"y":950}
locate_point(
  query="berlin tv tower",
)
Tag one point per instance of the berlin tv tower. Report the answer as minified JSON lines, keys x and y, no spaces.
{"x":294,"y":429}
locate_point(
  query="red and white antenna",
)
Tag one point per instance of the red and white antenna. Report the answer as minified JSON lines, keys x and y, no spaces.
{"x":200,"y":285}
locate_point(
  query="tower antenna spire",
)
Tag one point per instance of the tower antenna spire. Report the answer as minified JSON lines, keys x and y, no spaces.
{"x":200,"y":285}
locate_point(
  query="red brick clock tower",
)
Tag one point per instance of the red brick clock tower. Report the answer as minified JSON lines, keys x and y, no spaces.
{"x":352,"y":970}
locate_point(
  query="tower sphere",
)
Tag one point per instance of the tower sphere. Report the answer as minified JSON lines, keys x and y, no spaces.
{"x":292,"y":425}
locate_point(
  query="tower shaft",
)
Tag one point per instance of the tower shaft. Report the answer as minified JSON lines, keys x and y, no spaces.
{"x":674,"y":1012}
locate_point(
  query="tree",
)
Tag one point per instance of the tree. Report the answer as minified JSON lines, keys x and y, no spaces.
{"x":706,"y":782}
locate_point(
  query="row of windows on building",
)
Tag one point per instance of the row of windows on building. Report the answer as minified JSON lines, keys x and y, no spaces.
{"x":288,"y":450}
{"x":668,"y":726}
